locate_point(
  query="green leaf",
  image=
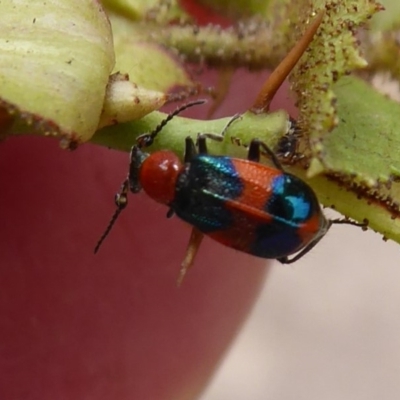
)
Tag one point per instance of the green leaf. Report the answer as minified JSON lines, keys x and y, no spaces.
{"x":62,"y":55}
{"x":350,"y":131}
{"x":56,"y":58}
{"x":268,"y":127}
{"x":142,"y":58}
{"x":126,"y":101}
{"x":239,"y":8}
{"x":369,"y":130}
{"x":362,"y":157}
{"x":150,"y":10}
{"x":381,"y":42}
{"x":333,"y":53}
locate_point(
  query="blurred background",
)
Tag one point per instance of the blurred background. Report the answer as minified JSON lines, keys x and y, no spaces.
{"x":326,"y":327}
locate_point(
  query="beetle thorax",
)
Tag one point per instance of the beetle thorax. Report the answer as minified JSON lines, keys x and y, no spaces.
{"x":158,"y":175}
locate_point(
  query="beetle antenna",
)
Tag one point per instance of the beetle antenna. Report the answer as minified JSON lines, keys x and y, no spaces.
{"x":147,"y":139}
{"x":108,"y":229}
{"x":121,"y":201}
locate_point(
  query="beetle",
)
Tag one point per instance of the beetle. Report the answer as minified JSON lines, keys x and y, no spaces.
{"x":241,"y":203}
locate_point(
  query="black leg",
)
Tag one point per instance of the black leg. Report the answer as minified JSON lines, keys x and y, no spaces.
{"x":202,"y":143}
{"x":345,"y":221}
{"x":190,"y":150}
{"x":201,"y":138}
{"x":233,"y":119}
{"x":254,"y":153}
{"x":287,"y":260}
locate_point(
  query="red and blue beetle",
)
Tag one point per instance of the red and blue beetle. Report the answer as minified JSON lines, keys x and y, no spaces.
{"x":241,"y":203}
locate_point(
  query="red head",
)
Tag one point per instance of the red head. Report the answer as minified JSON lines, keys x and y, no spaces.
{"x":158,"y":174}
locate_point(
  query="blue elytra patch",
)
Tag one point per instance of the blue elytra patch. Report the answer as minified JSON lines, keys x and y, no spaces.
{"x":202,"y":189}
{"x":291,"y":204}
{"x":291,"y":201}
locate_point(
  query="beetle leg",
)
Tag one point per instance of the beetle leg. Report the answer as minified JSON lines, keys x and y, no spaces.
{"x":190,"y":150}
{"x":212,"y":136}
{"x":287,"y":147}
{"x":287,"y":260}
{"x":254,"y":153}
{"x":201,"y":142}
{"x":363,"y":225}
{"x":194,"y":243}
{"x":233,"y":119}
{"x":218,"y":137}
